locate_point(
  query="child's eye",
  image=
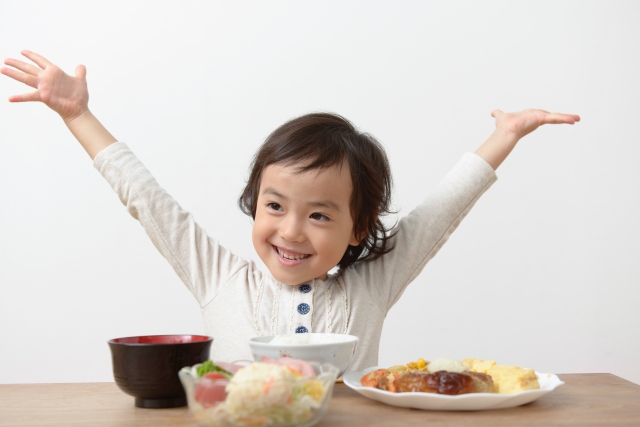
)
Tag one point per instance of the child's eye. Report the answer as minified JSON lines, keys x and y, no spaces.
{"x":274,"y":206}
{"x":319,"y":217}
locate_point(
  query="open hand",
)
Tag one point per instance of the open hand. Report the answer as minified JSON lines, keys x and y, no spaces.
{"x":510,"y":127}
{"x":525,"y":122}
{"x":67,"y":95}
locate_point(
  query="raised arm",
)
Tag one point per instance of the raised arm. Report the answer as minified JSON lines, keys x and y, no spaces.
{"x":201,"y":262}
{"x":421,"y":233}
{"x":66,"y":95}
{"x":511,"y":127}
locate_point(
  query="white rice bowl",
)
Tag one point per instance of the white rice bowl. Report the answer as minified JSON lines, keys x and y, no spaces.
{"x":336,"y":349}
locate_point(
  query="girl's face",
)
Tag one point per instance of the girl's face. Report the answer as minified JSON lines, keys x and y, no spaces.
{"x":303,"y":222}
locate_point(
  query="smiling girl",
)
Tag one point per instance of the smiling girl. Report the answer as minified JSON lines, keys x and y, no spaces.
{"x":317,"y":191}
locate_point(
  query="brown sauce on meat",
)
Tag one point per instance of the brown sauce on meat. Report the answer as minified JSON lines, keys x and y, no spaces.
{"x":441,"y":382}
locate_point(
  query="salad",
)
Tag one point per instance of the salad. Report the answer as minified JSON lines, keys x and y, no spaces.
{"x":283,"y":392}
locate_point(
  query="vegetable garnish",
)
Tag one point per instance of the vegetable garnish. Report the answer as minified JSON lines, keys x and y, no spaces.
{"x":209,"y":366}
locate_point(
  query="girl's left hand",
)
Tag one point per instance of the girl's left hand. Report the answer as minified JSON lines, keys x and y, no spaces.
{"x":524,"y":122}
{"x":510,"y":127}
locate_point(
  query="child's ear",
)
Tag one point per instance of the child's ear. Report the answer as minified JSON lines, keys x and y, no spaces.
{"x":355,"y":240}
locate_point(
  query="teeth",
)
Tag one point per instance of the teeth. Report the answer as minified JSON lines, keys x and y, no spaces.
{"x":291,"y":257}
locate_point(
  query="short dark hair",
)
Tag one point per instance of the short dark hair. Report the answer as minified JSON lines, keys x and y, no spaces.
{"x":323,"y":140}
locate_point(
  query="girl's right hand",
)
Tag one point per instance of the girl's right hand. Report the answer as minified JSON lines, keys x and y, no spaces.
{"x":66,"y":95}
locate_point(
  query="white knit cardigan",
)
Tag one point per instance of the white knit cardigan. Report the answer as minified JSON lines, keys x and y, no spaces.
{"x":239,"y":301}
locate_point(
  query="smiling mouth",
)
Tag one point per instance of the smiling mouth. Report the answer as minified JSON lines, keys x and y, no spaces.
{"x":290,"y":256}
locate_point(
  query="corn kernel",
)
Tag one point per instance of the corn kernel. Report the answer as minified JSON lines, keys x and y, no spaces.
{"x":421,"y":363}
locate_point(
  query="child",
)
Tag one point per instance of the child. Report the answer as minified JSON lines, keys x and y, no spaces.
{"x":316,"y":192}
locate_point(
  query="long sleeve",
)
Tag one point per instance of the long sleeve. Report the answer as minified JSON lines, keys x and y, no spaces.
{"x":199,"y":260}
{"x":421,"y":233}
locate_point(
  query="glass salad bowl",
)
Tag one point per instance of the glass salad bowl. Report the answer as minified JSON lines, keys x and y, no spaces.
{"x":258,"y":394}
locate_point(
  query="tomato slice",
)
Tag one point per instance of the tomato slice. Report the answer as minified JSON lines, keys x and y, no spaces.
{"x":211,"y":389}
{"x":215,"y":376}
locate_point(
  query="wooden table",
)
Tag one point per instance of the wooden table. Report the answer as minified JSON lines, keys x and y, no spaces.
{"x":585,"y":400}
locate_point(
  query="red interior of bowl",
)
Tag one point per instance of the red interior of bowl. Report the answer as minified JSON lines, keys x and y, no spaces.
{"x":161,"y":339}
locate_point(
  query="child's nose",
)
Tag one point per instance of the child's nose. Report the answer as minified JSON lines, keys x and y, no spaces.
{"x":292,"y":230}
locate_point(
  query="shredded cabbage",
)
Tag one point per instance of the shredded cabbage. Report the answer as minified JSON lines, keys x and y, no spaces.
{"x":267,"y":395}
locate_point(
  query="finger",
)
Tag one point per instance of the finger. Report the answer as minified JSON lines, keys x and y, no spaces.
{"x":575,"y":117}
{"x":557,"y":118}
{"x":25,"y":97}
{"x":496,"y":113}
{"x":81,"y":72}
{"x":21,"y":77}
{"x":23,"y":66}
{"x":38,"y":59}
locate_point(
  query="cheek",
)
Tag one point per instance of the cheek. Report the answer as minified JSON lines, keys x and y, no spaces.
{"x":254,"y":236}
{"x":258,"y":232}
{"x":334,"y":243}
{"x":349,"y":233}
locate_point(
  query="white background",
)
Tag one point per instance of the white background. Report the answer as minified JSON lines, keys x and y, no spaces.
{"x":543,"y":273}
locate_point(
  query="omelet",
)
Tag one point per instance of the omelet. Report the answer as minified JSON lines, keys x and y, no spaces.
{"x":506,"y":379}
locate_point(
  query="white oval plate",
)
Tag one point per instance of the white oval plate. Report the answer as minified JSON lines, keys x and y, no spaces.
{"x":442,"y":402}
